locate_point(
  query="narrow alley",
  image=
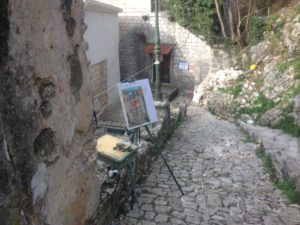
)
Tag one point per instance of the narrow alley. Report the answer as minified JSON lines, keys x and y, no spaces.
{"x":223,"y":180}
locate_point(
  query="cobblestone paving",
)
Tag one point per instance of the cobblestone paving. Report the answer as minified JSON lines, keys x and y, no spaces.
{"x":223,"y":181}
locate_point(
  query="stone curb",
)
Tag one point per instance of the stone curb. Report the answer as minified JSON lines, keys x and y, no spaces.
{"x":283,"y":149}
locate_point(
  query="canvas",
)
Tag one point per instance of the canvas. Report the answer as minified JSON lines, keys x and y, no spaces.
{"x":137,"y":103}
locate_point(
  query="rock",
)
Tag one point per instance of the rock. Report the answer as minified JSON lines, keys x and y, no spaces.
{"x":214,"y":81}
{"x":245,"y":117}
{"x":269,"y":117}
{"x":220,"y":103}
{"x":250,"y":121}
{"x":182,"y":110}
{"x":45,"y":102}
{"x":38,"y":183}
{"x":291,"y":35}
{"x":290,"y":216}
{"x":296,"y":110}
{"x":197,"y":96}
{"x":260,"y":51}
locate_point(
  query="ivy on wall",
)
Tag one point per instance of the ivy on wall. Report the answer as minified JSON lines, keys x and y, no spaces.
{"x":199,"y":17}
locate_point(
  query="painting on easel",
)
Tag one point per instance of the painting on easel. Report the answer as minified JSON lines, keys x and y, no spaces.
{"x":137,"y":103}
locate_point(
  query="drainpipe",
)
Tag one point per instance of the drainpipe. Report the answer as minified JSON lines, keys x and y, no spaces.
{"x":158,"y":93}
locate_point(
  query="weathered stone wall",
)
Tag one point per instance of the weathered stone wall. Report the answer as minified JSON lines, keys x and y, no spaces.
{"x":99,"y":85}
{"x":46,"y":109}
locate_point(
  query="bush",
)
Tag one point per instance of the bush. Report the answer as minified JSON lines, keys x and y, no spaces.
{"x":262,"y":104}
{"x":287,"y":124}
{"x":282,"y":67}
{"x":255,"y":30}
{"x":289,"y":189}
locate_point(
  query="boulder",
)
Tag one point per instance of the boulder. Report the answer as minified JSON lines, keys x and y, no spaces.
{"x":291,"y":35}
{"x":269,"y":117}
{"x":260,"y":51}
{"x":296,"y":111}
{"x":214,"y":81}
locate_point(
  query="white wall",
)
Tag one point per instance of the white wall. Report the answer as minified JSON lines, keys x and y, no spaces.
{"x":102,"y":35}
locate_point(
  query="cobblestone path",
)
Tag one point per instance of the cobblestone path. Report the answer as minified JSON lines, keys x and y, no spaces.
{"x":224,"y":182}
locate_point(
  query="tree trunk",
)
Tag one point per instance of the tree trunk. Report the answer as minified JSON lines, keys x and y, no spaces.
{"x":248,"y":15}
{"x":238,"y":27}
{"x":220,"y":19}
{"x":230,"y":17}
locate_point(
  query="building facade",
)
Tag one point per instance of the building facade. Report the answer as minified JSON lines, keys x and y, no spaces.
{"x":102,"y":37}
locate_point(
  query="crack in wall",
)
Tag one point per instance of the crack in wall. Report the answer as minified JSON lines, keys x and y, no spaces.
{"x":4,"y":31}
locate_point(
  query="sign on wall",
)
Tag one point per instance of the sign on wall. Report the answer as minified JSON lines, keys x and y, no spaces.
{"x":137,"y":103}
{"x":183,"y":65}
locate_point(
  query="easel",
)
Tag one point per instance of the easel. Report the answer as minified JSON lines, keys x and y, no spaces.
{"x":129,"y":91}
{"x":135,"y":137}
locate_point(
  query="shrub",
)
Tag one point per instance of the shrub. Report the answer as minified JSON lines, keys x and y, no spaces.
{"x":282,"y":67}
{"x":255,"y":30}
{"x":289,"y":189}
{"x":237,"y":89}
{"x":296,"y":66}
{"x":287,"y":124}
{"x":262,"y":104}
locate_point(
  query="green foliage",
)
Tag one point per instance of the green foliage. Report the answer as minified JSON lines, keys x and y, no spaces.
{"x":223,"y":90}
{"x":266,"y":160}
{"x":262,"y":104}
{"x":269,"y":22}
{"x":286,"y":103}
{"x":198,"y":16}
{"x":288,"y":125}
{"x":282,"y":67}
{"x":248,"y":137}
{"x":295,"y":63}
{"x":237,"y":89}
{"x":296,"y":66}
{"x":255,"y":30}
{"x":259,"y":24}
{"x":289,"y":189}
{"x":286,"y":186}
{"x":297,"y":9}
{"x":295,"y":90}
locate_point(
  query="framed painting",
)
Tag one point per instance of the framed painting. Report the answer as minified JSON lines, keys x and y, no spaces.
{"x":137,"y":103}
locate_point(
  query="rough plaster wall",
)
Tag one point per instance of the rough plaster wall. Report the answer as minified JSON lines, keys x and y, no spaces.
{"x":46,"y":126}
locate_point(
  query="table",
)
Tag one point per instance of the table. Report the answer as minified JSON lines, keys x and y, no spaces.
{"x":117,"y":159}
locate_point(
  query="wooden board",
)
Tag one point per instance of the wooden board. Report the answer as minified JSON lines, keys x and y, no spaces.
{"x":105,"y":146}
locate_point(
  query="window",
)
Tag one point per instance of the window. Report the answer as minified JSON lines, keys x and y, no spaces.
{"x":160,"y":5}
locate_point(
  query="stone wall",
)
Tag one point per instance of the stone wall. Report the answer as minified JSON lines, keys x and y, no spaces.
{"x":99,"y":86}
{"x":46,"y":126}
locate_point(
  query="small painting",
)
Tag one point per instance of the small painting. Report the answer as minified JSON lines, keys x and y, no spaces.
{"x":137,"y":103}
{"x":183,"y":65}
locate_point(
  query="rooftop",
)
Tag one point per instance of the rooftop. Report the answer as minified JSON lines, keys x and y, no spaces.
{"x":100,"y":7}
